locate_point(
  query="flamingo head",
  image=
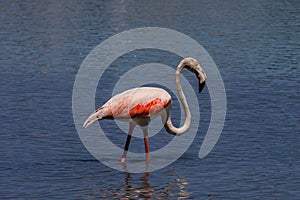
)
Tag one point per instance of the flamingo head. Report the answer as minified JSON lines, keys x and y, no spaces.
{"x":192,"y":65}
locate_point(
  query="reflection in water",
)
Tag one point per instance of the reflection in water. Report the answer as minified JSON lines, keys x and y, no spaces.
{"x":145,"y":190}
{"x":140,"y":186}
{"x":136,"y":187}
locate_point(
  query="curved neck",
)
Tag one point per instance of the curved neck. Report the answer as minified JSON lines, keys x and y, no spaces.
{"x":169,"y":125}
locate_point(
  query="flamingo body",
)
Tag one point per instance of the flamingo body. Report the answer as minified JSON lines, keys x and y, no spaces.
{"x":134,"y":105}
{"x":139,"y":105}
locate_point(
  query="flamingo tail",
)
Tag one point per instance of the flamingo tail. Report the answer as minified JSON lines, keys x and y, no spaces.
{"x":97,"y":115}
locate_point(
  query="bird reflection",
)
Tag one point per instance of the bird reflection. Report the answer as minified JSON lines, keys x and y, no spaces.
{"x":142,"y":188}
{"x":146,"y":191}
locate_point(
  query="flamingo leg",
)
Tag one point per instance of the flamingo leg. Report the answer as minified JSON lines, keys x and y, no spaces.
{"x":126,"y":147}
{"x":146,"y":141}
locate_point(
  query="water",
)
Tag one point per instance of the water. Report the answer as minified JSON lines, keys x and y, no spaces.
{"x":254,"y":44}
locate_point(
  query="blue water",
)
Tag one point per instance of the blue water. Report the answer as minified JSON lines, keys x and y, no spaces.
{"x":255,"y":44}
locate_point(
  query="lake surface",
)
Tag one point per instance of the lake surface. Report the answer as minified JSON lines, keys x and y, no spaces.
{"x":256,"y":46}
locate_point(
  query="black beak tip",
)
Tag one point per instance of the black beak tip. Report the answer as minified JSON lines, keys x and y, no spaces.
{"x":201,"y":86}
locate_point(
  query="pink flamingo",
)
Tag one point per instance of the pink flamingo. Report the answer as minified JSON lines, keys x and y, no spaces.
{"x":139,"y":105}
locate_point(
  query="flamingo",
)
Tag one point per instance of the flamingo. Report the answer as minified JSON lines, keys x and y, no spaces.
{"x":139,"y":105}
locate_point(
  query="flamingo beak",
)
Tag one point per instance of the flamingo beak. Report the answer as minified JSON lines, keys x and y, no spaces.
{"x":202,"y":78}
{"x":201,"y":86}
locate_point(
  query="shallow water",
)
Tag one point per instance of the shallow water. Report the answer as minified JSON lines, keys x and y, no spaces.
{"x":254,"y":44}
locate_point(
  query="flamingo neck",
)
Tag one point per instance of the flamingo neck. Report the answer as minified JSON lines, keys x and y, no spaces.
{"x":186,"y":125}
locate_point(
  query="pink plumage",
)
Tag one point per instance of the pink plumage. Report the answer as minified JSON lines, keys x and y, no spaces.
{"x":139,"y":105}
{"x":143,"y":102}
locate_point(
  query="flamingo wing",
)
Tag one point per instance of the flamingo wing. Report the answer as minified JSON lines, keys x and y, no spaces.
{"x":142,"y":102}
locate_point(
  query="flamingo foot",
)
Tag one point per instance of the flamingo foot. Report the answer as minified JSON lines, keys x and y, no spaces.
{"x":148,"y":159}
{"x":123,"y":160}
